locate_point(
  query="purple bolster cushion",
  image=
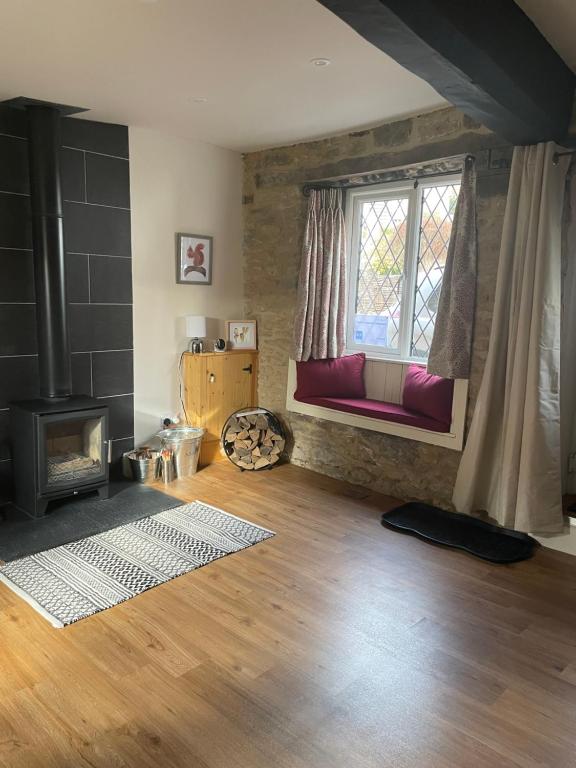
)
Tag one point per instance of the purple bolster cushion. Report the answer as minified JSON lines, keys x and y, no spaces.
{"x":335,"y":377}
{"x":427,"y":394}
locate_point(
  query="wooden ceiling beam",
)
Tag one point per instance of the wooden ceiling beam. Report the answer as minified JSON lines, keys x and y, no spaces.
{"x":486,"y":58}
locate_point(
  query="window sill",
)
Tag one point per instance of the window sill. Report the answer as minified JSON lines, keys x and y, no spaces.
{"x":388,"y":358}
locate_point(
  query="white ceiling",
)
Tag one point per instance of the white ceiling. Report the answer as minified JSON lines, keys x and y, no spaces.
{"x":556,"y":19}
{"x":142,"y":62}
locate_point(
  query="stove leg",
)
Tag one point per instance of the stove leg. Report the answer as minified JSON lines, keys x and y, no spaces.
{"x":40,"y":507}
{"x":103,"y":492}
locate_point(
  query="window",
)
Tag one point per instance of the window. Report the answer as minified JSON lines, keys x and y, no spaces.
{"x":398,"y":241}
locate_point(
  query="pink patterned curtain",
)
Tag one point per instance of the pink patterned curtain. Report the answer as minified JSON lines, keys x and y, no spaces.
{"x":451,"y":349}
{"x":321,"y":305}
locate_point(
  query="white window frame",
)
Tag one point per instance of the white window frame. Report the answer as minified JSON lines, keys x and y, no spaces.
{"x":389,"y":191}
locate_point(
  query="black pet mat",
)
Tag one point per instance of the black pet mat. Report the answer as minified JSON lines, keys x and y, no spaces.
{"x":78,"y":517}
{"x":498,"y":545}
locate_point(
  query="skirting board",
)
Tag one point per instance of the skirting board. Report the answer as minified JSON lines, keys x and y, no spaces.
{"x":561,"y":542}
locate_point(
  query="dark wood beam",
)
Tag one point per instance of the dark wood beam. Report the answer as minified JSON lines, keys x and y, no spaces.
{"x":485,"y":57}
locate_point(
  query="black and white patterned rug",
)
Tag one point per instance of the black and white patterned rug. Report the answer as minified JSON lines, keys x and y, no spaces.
{"x":71,"y":582}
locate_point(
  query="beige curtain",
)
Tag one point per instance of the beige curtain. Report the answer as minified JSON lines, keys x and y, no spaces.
{"x":511,"y":467}
{"x":451,"y":346}
{"x":568,"y":339}
{"x":320,"y":311}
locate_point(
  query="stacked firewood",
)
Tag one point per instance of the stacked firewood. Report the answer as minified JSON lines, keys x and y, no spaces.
{"x":253,"y":440}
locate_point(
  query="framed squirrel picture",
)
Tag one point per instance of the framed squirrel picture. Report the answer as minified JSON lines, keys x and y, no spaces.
{"x":193,"y":259}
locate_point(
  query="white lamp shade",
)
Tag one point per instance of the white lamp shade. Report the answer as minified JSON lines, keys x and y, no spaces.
{"x":195,"y":327}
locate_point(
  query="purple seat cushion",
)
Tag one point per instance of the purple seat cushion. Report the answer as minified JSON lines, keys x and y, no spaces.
{"x":335,"y":377}
{"x":376,"y":409}
{"x":427,"y":394}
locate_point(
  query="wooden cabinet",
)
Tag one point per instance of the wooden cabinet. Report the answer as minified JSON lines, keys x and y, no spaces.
{"x":215,"y":385}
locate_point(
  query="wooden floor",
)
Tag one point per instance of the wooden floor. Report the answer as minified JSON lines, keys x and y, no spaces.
{"x":335,"y":643}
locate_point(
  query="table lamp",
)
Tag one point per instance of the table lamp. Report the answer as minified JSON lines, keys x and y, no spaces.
{"x":195,"y":331}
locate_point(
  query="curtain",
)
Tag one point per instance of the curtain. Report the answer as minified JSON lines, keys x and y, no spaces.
{"x":451,"y":346}
{"x":510,"y":467}
{"x":568,"y":335}
{"x":321,"y":303}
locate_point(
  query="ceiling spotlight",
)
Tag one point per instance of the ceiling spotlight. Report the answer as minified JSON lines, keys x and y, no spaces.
{"x":199,"y":99}
{"x":320,"y":62}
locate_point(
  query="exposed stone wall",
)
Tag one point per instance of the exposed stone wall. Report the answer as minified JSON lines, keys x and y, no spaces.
{"x":274,"y":220}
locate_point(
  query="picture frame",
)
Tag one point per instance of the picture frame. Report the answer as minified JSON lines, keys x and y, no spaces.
{"x":194,"y":255}
{"x":242,"y":334}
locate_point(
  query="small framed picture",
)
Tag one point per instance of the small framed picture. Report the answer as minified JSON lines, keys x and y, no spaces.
{"x":242,"y":334}
{"x":193,"y":259}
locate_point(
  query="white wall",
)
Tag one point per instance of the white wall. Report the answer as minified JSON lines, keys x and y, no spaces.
{"x":178,"y":185}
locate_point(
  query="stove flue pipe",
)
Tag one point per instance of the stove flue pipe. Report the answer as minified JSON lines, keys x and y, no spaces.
{"x":48,"y":243}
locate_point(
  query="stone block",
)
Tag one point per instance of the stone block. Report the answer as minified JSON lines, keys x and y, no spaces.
{"x":393,"y":134}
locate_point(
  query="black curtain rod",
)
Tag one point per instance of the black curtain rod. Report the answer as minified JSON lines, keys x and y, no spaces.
{"x":558,"y":155}
{"x":347,"y":183}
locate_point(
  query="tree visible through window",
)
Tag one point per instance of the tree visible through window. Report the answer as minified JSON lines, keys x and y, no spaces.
{"x":399,"y":242}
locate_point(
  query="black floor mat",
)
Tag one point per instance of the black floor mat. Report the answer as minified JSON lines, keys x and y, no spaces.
{"x":77,"y":517}
{"x":498,"y":545}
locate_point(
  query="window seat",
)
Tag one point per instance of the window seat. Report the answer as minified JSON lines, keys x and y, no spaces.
{"x":378,"y":409}
{"x":384,"y":380}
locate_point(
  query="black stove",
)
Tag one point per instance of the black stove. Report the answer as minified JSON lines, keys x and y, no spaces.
{"x":59,"y":448}
{"x":60,"y":441}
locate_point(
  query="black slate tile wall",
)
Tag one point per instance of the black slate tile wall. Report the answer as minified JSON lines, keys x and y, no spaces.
{"x":96,"y":189}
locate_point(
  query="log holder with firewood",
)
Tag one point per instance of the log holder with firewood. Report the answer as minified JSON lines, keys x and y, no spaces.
{"x":253,"y":439}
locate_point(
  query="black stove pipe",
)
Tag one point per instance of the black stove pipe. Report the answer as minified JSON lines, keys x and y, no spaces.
{"x":48,"y":244}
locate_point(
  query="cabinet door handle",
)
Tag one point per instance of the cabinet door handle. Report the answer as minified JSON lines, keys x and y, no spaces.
{"x":248,"y":368}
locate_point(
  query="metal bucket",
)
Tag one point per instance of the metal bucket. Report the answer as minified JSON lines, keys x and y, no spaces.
{"x":144,"y":470}
{"x":184,"y":442}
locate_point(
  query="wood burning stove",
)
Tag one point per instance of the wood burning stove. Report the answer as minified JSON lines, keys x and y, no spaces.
{"x":60,"y":441}
{"x":59,"y":448}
